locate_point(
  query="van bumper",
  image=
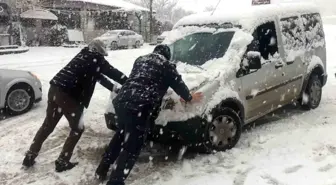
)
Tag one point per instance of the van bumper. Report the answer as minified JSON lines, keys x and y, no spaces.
{"x":188,"y":132}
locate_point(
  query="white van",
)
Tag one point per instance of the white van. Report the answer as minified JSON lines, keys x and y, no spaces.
{"x":247,"y":64}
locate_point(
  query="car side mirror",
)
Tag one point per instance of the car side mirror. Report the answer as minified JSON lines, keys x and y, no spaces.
{"x":254,"y":59}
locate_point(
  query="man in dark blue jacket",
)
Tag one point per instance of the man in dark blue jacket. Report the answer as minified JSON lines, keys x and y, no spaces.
{"x":70,"y":92}
{"x":136,"y":103}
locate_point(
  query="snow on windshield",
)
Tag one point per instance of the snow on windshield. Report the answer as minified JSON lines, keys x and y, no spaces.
{"x":198,"y":48}
{"x":195,"y":45}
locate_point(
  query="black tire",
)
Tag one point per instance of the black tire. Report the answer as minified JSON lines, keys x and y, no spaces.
{"x":137,"y":44}
{"x":21,"y":88}
{"x":313,"y":93}
{"x":209,"y":146}
{"x":114,"y":45}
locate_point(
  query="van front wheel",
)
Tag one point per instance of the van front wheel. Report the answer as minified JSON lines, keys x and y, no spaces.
{"x":224,"y":131}
{"x":312,"y":96}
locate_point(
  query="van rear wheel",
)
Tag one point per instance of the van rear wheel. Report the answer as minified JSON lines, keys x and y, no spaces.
{"x":224,"y":131}
{"x":313,"y":94}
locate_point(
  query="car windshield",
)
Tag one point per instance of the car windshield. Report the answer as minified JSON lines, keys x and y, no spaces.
{"x":198,"y":48}
{"x":110,"y":33}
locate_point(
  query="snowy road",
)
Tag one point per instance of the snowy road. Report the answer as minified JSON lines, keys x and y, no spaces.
{"x":289,"y":147}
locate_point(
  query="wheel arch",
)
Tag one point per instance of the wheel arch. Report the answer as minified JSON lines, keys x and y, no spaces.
{"x":19,"y":82}
{"x":318,"y":70}
{"x":234,"y":104}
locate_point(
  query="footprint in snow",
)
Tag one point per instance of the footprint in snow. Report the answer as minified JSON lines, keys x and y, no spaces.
{"x":326,"y":168}
{"x":331,"y":149}
{"x":271,"y":180}
{"x":241,"y":176}
{"x":293,"y":169}
{"x":320,"y":158}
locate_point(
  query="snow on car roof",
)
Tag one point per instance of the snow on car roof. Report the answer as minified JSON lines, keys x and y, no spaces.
{"x":247,"y":17}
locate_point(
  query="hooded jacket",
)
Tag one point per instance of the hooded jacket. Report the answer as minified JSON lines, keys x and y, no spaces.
{"x":148,"y":82}
{"x":78,"y":78}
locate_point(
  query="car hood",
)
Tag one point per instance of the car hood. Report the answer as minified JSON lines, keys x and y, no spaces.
{"x":195,"y":76}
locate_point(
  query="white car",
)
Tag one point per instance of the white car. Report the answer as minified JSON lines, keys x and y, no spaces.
{"x":19,"y":90}
{"x":161,"y":37}
{"x":121,"y":39}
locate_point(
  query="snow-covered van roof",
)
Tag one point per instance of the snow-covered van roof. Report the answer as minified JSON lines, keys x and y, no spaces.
{"x":248,"y":17}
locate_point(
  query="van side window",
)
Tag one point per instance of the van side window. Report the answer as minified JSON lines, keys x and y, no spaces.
{"x":264,"y":41}
{"x":267,"y":40}
{"x":312,"y":24}
{"x":292,"y":35}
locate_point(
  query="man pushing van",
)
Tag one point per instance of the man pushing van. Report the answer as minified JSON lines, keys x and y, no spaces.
{"x":70,"y":92}
{"x":136,"y":105}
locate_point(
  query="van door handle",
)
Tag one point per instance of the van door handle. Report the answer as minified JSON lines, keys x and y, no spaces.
{"x":278,"y":65}
{"x":290,"y":62}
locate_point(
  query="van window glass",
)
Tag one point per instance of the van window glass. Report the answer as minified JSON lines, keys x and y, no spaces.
{"x":266,"y":40}
{"x":198,"y":48}
{"x":312,"y":24}
{"x":292,"y":35}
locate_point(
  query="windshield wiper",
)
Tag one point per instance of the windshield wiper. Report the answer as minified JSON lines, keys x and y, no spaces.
{"x":198,"y":66}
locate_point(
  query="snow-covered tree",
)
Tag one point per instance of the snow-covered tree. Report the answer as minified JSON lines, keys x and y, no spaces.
{"x":165,"y":11}
{"x":209,"y":8}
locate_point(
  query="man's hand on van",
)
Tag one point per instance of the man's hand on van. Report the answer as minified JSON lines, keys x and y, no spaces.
{"x":196,"y":97}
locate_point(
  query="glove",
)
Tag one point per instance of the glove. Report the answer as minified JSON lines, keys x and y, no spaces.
{"x":116,"y":89}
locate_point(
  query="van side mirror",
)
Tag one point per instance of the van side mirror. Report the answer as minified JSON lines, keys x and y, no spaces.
{"x":254,"y":59}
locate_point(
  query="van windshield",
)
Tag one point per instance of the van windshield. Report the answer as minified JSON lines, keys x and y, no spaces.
{"x":198,"y":48}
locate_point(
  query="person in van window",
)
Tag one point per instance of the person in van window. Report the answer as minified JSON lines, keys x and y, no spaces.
{"x":70,"y":92}
{"x":136,"y":106}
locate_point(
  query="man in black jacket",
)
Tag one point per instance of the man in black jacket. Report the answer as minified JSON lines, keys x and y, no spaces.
{"x":70,"y":91}
{"x":136,"y":103}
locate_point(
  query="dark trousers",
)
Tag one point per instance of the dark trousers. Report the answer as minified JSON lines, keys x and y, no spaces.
{"x":59,"y":104}
{"x":125,"y":146}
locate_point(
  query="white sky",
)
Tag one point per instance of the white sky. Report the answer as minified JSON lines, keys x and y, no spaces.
{"x":200,"y":5}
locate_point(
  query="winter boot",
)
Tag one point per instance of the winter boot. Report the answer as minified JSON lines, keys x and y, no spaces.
{"x":102,"y":171}
{"x":113,"y":182}
{"x":29,"y":160}
{"x":62,"y":165}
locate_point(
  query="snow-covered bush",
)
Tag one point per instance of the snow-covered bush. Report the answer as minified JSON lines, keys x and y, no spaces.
{"x":57,"y":35}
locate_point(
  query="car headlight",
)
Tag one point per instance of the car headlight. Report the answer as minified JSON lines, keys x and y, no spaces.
{"x":33,"y":75}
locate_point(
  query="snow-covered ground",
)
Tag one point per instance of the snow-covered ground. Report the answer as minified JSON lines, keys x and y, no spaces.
{"x":289,"y":147}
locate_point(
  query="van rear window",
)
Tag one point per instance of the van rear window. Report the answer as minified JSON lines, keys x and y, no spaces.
{"x":312,"y":24}
{"x":292,"y":33}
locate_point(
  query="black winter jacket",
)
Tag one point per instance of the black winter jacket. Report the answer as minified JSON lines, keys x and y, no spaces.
{"x":148,"y":82}
{"x":78,"y":78}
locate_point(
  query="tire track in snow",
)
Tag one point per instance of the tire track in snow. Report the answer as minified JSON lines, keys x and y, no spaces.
{"x":271,"y":180}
